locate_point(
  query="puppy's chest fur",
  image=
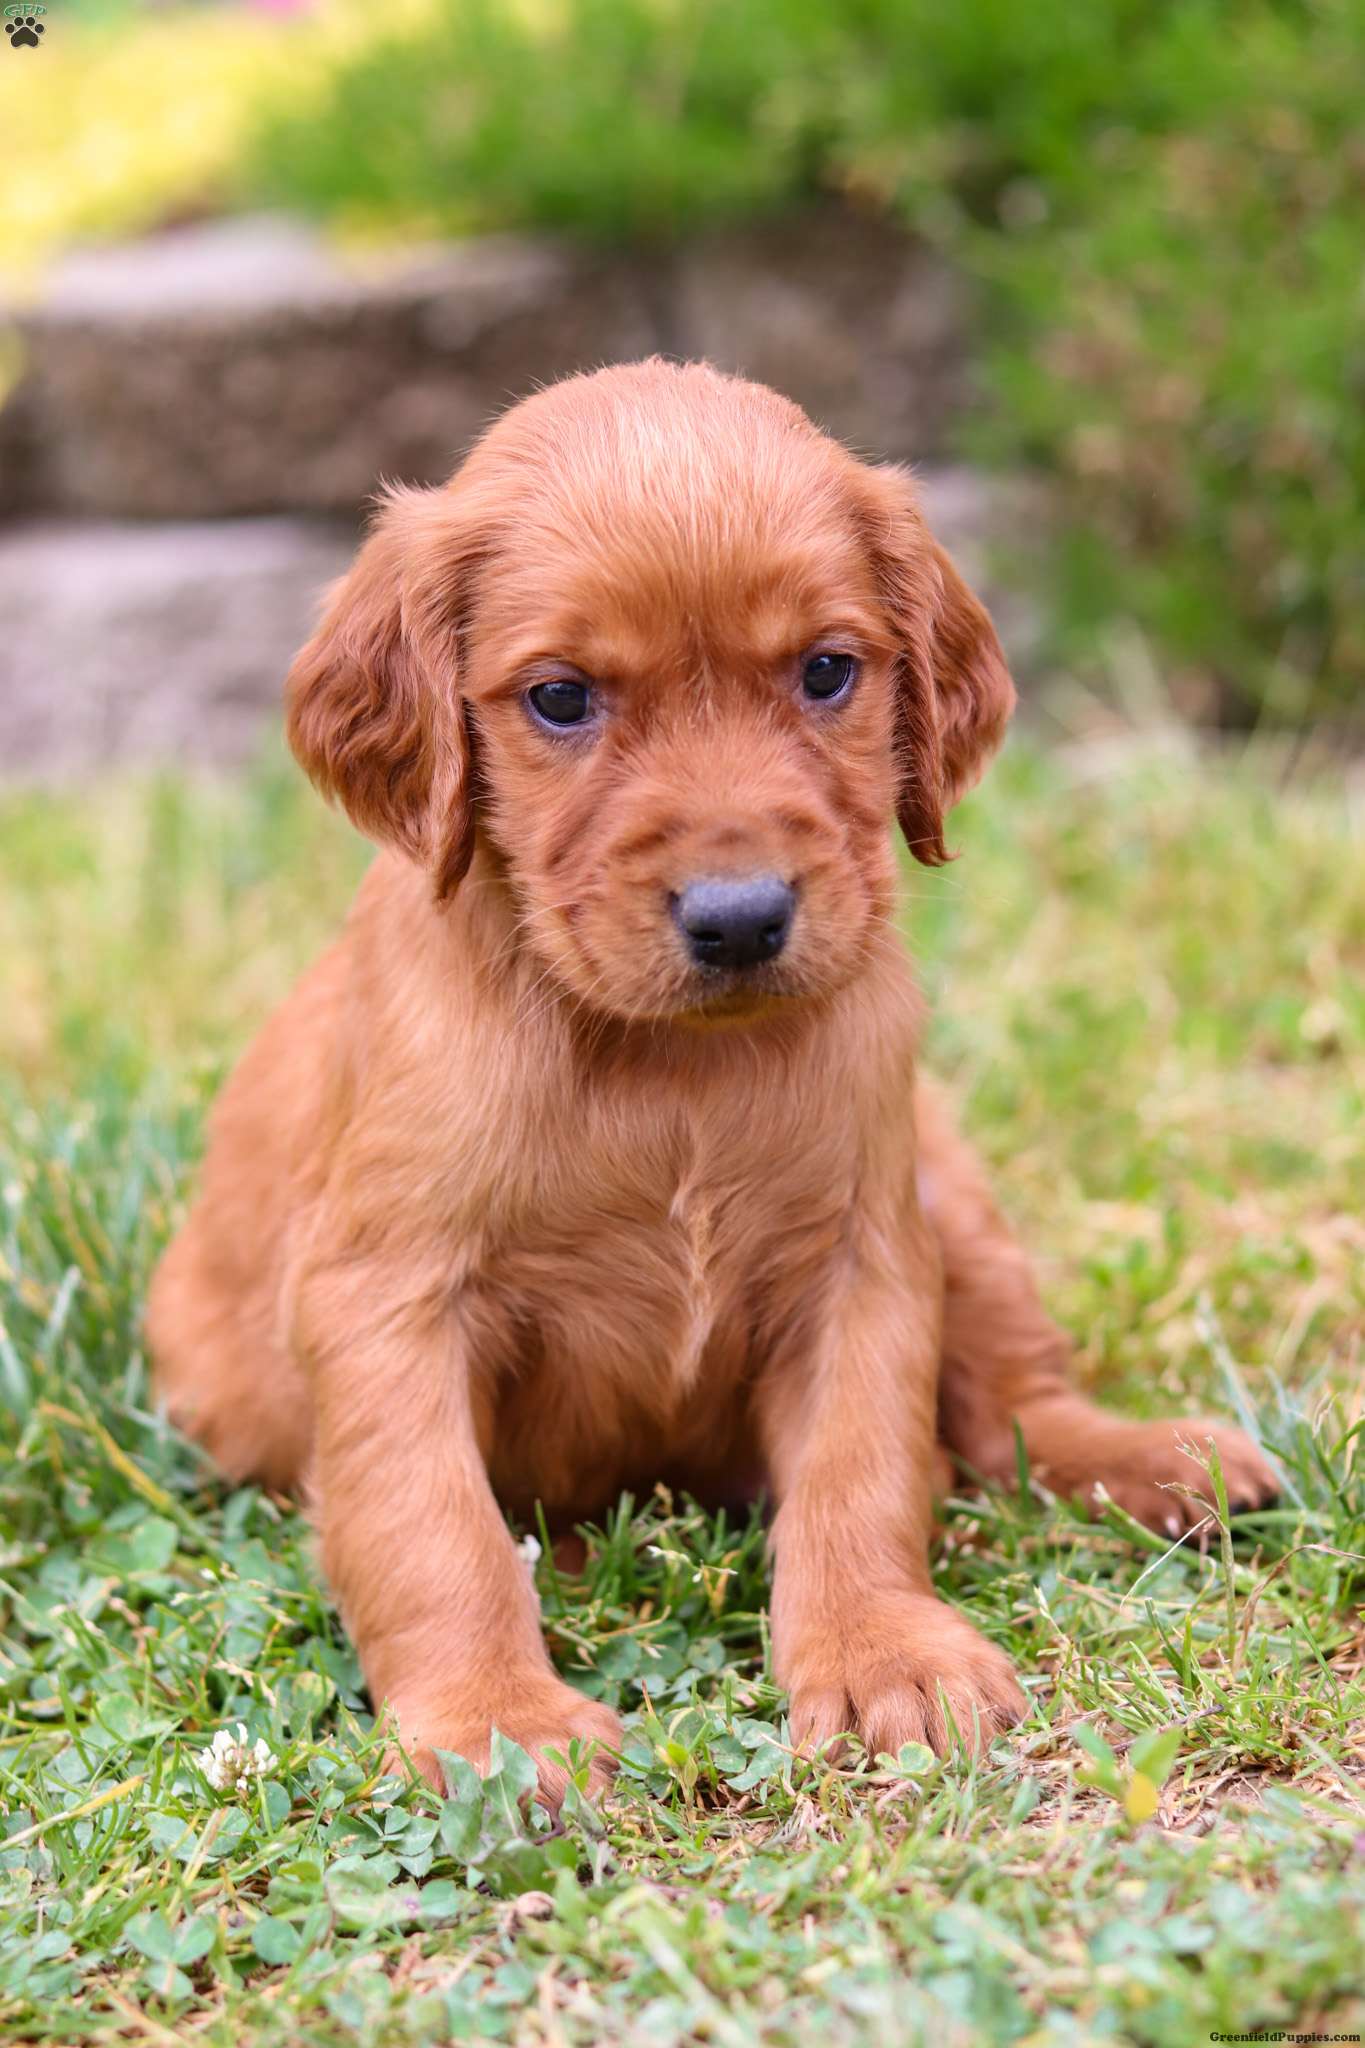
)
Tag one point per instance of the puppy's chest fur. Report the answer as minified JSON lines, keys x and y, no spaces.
{"x":643,"y":1289}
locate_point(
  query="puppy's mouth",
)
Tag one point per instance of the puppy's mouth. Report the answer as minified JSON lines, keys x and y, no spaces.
{"x":695,"y":997}
{"x":735,"y":1008}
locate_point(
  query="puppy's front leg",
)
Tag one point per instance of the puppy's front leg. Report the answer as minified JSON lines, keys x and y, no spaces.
{"x":860,"y":1639}
{"x":437,"y":1600}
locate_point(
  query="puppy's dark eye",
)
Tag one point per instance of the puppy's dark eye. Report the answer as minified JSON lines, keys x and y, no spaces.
{"x":561,"y":702}
{"x":826,"y":676}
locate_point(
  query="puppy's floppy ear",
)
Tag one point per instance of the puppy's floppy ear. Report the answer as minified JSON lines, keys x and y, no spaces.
{"x":372,"y":709}
{"x":956,"y":693}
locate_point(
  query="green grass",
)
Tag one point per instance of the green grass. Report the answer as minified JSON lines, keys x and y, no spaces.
{"x":1148,"y":969}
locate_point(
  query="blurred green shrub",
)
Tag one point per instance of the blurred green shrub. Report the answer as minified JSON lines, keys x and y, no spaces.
{"x":1188,"y":353}
{"x":1164,"y":199}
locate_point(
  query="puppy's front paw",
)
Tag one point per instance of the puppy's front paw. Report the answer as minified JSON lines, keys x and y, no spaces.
{"x":897,"y":1670}
{"x":540,"y":1715}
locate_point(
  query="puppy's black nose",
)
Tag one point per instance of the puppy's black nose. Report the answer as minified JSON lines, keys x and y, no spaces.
{"x":735,"y":921}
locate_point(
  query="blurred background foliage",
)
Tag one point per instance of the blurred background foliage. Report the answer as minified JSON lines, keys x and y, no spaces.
{"x":1161,"y":203}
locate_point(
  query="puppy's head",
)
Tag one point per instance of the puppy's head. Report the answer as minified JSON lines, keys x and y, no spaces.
{"x":677,"y":658}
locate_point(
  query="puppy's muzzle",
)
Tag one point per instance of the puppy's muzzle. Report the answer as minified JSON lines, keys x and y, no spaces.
{"x":735,"y":921}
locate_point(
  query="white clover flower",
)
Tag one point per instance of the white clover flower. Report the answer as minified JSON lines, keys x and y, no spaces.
{"x":528,"y":1550}
{"x":233,"y":1761}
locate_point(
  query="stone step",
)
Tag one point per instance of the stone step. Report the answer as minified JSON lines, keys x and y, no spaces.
{"x":245,"y":366}
{"x":145,"y":643}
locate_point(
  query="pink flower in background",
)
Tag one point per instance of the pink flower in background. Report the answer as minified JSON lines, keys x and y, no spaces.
{"x":280,"y":6}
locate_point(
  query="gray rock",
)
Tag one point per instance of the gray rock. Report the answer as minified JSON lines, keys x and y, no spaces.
{"x":144,"y":643}
{"x":245,"y":367}
{"x":847,"y":315}
{"x":242,"y":367}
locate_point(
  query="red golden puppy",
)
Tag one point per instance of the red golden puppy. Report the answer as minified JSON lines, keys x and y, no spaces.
{"x":593,"y":1152}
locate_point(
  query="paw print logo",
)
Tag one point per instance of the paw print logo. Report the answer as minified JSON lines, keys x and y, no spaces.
{"x":24,"y":24}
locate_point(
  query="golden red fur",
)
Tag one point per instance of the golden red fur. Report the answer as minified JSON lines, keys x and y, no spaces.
{"x":521,"y":1196}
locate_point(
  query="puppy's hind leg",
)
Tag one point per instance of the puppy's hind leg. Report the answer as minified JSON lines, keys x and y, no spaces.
{"x":1005,"y":1362}
{"x":223,"y":1372}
